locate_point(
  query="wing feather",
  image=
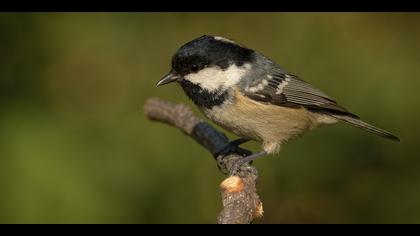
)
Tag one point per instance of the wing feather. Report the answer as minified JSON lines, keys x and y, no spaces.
{"x":283,"y":89}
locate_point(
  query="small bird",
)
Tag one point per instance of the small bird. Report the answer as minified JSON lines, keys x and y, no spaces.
{"x":252,"y":96}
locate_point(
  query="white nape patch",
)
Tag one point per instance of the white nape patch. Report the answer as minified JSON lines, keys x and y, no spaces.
{"x":265,"y":82}
{"x":220,"y":38}
{"x":283,"y":84}
{"x":215,"y":78}
{"x":269,"y":76}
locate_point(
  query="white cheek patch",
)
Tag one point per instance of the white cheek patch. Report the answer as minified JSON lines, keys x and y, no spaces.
{"x":214,"y":78}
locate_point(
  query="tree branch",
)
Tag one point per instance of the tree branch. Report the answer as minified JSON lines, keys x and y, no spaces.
{"x":241,"y":203}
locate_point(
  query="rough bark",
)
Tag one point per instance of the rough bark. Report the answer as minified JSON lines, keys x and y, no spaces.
{"x":241,"y":203}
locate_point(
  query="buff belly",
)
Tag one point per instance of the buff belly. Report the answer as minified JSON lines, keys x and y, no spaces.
{"x":269,"y":124}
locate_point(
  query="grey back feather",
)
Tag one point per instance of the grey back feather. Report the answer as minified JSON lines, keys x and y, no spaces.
{"x":268,"y":82}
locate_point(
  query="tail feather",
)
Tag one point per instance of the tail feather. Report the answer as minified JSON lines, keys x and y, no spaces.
{"x":368,"y":127}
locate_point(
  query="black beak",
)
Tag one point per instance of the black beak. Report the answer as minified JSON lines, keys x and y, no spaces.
{"x":169,"y":78}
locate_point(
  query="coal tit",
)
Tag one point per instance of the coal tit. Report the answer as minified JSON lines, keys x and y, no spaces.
{"x":246,"y":93}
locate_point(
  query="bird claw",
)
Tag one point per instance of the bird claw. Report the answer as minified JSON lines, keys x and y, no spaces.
{"x":233,"y":148}
{"x":240,"y":166}
{"x":236,"y":167}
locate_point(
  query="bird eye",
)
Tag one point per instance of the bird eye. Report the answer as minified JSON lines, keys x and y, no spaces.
{"x":194,"y":68}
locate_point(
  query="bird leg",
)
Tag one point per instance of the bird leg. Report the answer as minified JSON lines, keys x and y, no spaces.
{"x":236,"y":166}
{"x":253,"y":157}
{"x":233,"y":147}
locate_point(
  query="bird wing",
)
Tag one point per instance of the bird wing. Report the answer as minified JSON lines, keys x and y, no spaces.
{"x":275,"y":86}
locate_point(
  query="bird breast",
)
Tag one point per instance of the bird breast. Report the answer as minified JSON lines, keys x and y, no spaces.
{"x":269,"y":124}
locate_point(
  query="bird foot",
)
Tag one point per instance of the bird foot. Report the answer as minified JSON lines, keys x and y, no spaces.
{"x":233,"y":147}
{"x":247,"y":159}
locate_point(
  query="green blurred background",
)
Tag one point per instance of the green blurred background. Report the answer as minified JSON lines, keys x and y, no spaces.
{"x":75,"y":146}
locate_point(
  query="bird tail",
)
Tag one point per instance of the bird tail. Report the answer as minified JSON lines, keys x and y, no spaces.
{"x":356,"y":122}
